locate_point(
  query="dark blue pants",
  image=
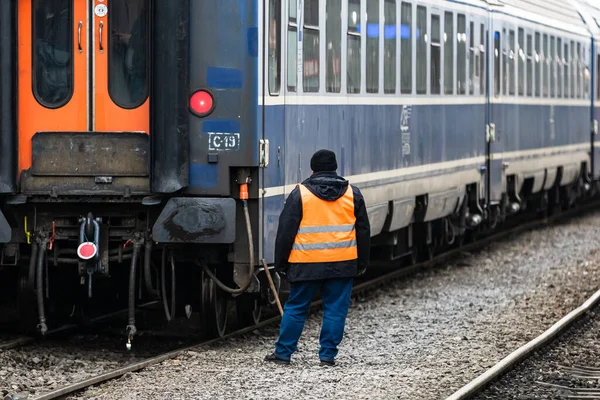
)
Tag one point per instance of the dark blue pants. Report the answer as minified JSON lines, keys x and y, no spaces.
{"x":336,"y":300}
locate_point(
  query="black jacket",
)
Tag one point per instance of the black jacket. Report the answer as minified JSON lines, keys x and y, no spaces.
{"x":327,"y":186}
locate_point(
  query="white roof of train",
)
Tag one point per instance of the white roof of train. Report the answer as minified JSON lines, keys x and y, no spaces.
{"x":563,"y":14}
{"x":590,"y":11}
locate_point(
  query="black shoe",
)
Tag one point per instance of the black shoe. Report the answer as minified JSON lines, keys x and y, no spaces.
{"x":276,"y":359}
{"x":329,"y":363}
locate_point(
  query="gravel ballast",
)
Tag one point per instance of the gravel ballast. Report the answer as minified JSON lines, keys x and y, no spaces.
{"x":422,"y":338}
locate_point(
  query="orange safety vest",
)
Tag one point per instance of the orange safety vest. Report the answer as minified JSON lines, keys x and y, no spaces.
{"x":326,"y":232}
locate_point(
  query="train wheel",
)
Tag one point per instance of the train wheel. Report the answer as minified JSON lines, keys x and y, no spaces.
{"x":214,"y":307}
{"x":248,"y":310}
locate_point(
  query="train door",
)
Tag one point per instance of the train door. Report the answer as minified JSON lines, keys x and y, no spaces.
{"x":273,"y":124}
{"x":83,"y":67}
{"x":497,"y":47}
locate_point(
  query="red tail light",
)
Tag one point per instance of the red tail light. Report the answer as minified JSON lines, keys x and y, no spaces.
{"x":202,"y":103}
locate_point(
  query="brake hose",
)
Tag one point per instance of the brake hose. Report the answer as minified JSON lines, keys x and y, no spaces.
{"x":243,"y":288}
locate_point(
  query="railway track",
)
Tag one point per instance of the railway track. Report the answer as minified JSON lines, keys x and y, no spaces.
{"x":359,"y":289}
{"x":547,"y":338}
{"x":26,"y":340}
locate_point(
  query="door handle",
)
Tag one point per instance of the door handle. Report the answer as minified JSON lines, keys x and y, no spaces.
{"x":79,"y":36}
{"x":101,"y":45}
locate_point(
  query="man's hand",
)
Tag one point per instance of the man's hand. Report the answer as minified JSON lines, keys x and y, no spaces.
{"x":361,"y":271}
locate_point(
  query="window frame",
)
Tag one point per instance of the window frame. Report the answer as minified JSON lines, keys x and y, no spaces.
{"x":71,"y":71}
{"x":277,"y":51}
{"x":315,"y":29}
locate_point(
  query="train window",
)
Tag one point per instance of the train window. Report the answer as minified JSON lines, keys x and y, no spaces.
{"x":436,"y":54}
{"x":538,"y":66}
{"x":448,"y":53}
{"x":497,"y":63}
{"x":293,"y":10}
{"x":474,"y":57}
{"x":579,"y":66}
{"x":52,"y":52}
{"x":573,"y":71}
{"x":274,"y":46}
{"x":482,"y":37}
{"x":406,"y":57}
{"x":529,"y":65}
{"x":461,"y":54}
{"x":512,"y":62}
{"x":552,"y":61}
{"x":372,"y":66}
{"x":559,"y":84}
{"x":521,"y":60}
{"x":334,"y":45}
{"x":546,"y":75}
{"x":354,"y":54}
{"x":128,"y":55}
{"x":310,"y":47}
{"x":292,"y":47}
{"x":421,"y":50}
{"x":504,"y":62}
{"x":389,"y":46}
{"x":565,"y":62}
{"x":586,"y":73}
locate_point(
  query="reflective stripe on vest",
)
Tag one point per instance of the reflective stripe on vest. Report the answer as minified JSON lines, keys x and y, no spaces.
{"x":326,"y":232}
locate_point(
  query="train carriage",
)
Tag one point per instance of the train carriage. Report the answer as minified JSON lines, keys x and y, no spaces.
{"x":147,"y":147}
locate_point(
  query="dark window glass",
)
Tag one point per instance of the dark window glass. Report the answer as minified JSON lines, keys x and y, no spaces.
{"x":274,"y":46}
{"x":545,"y":66}
{"x":389,"y":47}
{"x":566,"y":69}
{"x":574,"y":88}
{"x":406,"y":56}
{"x":538,"y":66}
{"x":310,"y":49}
{"x":559,"y":65}
{"x":474,"y":59}
{"x":482,"y":83}
{"x":512,"y":62}
{"x":334,"y":45}
{"x":529,"y":66}
{"x":372,"y":23}
{"x":461,"y":54}
{"x":436,"y":50}
{"x":521,"y":60}
{"x":128,"y":54}
{"x":505,"y":61}
{"x":292,"y":47}
{"x":292,"y":10}
{"x":497,"y":63}
{"x":579,"y":66}
{"x":552,"y":61}
{"x":52,"y":56}
{"x":354,"y":54}
{"x":448,"y":53}
{"x":421,"y":50}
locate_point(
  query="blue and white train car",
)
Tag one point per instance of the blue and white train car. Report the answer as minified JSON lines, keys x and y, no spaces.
{"x":442,"y":112}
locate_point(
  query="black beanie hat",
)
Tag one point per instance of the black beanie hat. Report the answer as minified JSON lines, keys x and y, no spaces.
{"x":323,"y":161}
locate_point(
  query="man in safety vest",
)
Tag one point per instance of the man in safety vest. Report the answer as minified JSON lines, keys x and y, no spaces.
{"x":323,"y":242}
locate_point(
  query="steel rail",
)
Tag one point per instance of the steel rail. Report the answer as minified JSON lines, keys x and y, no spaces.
{"x":25,"y":340}
{"x":385,"y":279}
{"x":510,"y":361}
